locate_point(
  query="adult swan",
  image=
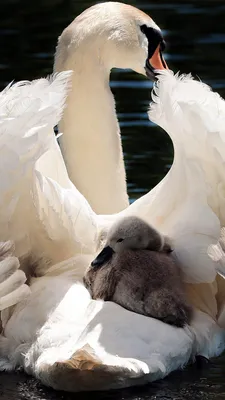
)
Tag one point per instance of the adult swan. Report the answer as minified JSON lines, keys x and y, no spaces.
{"x":59,"y":334}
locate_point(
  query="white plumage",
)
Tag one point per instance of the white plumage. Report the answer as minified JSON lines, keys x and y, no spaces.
{"x":12,"y":280}
{"x":58,"y":333}
{"x":37,"y":213}
{"x":66,"y":323}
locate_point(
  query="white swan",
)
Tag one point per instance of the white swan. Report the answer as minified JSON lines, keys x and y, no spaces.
{"x":71,"y":342}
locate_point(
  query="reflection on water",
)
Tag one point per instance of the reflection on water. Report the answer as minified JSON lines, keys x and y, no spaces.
{"x":193,"y":383}
{"x":196,"y":43}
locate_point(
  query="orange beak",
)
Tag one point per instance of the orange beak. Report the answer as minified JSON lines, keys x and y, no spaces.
{"x":155,"y":62}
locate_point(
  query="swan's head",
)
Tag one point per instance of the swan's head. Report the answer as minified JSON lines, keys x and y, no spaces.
{"x":134,"y":234}
{"x":116,"y":35}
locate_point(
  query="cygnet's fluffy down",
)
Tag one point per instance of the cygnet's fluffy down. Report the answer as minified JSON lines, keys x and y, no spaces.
{"x":136,"y":270}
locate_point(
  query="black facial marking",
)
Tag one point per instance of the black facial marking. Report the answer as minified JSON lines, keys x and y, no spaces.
{"x":105,"y":255}
{"x":155,"y":38}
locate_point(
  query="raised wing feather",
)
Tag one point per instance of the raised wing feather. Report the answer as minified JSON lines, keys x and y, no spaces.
{"x":40,"y":209}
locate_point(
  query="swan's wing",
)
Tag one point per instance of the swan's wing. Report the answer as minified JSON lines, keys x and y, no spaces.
{"x":202,"y":135}
{"x":188,"y":204}
{"x":28,"y":112}
{"x":40,"y":209}
{"x":12,"y":280}
{"x":65,"y":218}
{"x":217,"y":253}
{"x":53,"y":93}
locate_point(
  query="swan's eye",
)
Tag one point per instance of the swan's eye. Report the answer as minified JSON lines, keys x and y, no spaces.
{"x":119,"y":240}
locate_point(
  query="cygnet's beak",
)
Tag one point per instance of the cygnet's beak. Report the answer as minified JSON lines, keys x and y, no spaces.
{"x":156,"y":62}
{"x":105,"y":255}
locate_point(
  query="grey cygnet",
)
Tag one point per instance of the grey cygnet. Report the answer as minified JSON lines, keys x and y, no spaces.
{"x":137,"y":271}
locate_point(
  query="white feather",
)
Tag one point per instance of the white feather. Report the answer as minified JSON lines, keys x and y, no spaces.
{"x":12,"y":287}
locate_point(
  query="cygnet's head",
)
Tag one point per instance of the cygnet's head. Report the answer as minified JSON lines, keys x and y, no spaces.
{"x":134,"y":234}
{"x":114,"y":35}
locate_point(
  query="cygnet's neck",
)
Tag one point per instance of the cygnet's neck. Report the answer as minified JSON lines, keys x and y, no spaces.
{"x":91,"y":142}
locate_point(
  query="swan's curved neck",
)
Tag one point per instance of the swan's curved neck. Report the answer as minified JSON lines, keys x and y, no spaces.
{"x":91,"y":142}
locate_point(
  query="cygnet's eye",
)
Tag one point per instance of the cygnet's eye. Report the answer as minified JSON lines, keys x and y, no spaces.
{"x":119,"y":240}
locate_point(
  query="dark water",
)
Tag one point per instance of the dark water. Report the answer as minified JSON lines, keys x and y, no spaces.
{"x":193,"y":383}
{"x":195,"y":35}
